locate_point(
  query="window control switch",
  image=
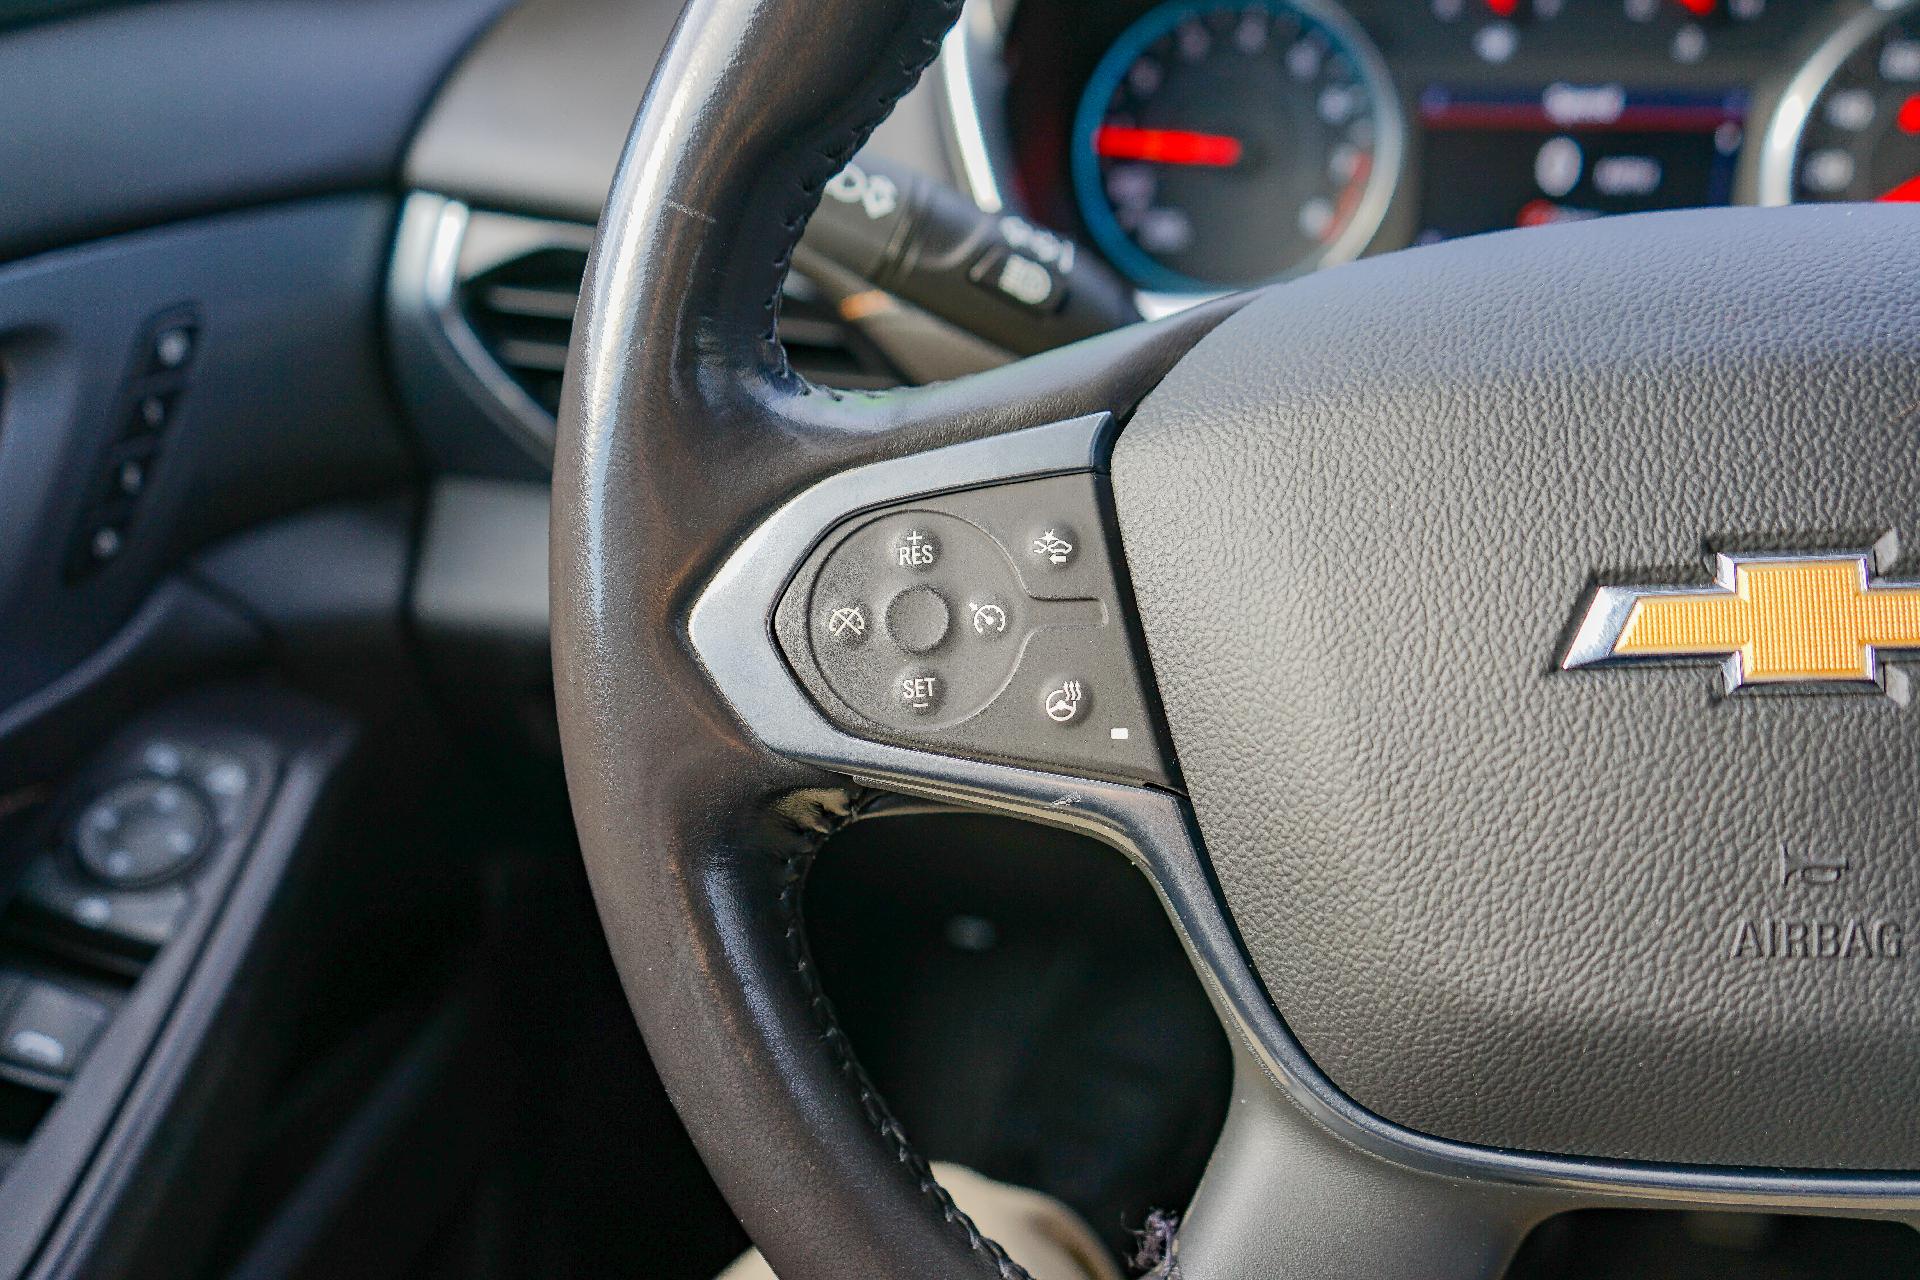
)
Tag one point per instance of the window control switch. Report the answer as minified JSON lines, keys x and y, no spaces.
{"x":134,"y":923}
{"x":49,"y":1029}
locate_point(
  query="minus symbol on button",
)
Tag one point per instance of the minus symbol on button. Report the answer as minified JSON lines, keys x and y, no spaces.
{"x":1118,"y":734}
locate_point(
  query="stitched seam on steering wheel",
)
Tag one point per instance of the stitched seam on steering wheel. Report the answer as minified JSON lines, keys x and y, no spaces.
{"x":793,"y":880}
{"x":836,"y":155}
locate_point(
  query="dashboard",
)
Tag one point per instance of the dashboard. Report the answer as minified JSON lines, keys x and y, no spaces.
{"x":1206,"y":145}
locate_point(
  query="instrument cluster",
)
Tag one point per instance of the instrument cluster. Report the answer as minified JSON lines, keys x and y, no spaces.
{"x":1205,"y":145}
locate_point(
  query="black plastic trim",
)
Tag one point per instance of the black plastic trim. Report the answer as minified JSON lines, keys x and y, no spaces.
{"x":143,"y":114}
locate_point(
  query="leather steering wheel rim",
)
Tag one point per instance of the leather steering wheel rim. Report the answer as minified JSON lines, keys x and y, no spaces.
{"x":682,"y":426}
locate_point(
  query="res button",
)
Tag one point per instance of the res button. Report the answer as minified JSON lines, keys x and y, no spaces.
{"x":914,"y":549}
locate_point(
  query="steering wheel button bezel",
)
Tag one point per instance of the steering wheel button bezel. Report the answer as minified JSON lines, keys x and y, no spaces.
{"x":1058,"y":624}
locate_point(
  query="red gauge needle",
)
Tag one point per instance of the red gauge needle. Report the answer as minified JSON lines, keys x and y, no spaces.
{"x":1167,"y":146}
{"x":1907,"y":192}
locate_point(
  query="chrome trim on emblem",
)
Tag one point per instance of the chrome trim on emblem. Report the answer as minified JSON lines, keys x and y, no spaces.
{"x":1600,"y":628}
{"x":1609,"y":611}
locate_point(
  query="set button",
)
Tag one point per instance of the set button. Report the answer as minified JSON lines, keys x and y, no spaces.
{"x":921,"y":691}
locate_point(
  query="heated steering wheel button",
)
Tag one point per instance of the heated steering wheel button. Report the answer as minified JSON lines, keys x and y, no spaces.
{"x":920,"y":692}
{"x":918,"y":619}
{"x":1064,"y":702}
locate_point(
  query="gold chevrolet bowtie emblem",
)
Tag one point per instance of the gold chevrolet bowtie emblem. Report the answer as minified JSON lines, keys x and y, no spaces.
{"x":1774,"y":620}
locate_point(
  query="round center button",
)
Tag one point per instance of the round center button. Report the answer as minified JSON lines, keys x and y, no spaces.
{"x":142,"y":831}
{"x":918,"y":619}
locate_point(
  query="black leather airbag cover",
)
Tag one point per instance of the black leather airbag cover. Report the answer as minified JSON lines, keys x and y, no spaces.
{"x":1495,"y":901}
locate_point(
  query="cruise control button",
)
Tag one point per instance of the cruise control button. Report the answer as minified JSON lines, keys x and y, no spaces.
{"x":920,"y":692}
{"x":846,"y":624}
{"x":918,"y":619}
{"x":914,"y":549}
{"x":988,"y":617}
{"x":1054,"y":545}
{"x":1065,"y":702}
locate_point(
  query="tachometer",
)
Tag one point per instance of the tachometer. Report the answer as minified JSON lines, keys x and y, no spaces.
{"x":1219,"y":144}
{"x":1848,"y":125}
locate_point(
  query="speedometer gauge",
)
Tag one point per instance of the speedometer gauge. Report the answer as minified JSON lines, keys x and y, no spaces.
{"x":1219,"y":145}
{"x":1848,"y":125}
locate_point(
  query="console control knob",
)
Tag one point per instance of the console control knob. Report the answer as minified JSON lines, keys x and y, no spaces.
{"x":142,"y":832}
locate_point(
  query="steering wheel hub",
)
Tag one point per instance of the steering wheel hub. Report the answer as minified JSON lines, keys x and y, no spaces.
{"x":1389,"y":524}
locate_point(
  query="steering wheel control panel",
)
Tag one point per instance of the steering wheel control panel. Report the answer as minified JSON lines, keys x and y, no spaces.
{"x":984,"y":623}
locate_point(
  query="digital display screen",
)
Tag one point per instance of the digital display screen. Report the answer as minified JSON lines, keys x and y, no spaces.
{"x":1496,"y":159}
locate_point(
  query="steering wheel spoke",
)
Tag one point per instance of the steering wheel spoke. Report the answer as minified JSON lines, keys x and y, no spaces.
{"x":1284,"y":1197}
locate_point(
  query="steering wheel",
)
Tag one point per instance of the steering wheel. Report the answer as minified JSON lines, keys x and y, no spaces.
{"x":1384,"y":643}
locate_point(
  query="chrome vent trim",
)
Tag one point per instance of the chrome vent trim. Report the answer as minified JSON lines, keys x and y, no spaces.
{"x":481,"y":309}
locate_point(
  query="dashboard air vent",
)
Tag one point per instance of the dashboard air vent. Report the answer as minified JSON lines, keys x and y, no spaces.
{"x":522,"y":312}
